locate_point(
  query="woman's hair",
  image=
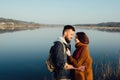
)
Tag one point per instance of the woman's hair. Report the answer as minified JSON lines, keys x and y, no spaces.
{"x":82,"y":37}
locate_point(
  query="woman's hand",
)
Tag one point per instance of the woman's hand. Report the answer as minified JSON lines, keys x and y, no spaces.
{"x":81,"y":68}
{"x":68,"y":52}
{"x":68,"y":66}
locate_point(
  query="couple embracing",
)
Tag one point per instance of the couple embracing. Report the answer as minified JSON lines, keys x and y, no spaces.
{"x":72,"y":67}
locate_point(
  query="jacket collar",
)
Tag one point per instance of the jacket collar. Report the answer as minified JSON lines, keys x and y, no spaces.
{"x":80,"y":44}
{"x":62,"y":39}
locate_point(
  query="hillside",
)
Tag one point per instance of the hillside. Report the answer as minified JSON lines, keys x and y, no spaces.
{"x":15,"y":25}
{"x":109,"y":24}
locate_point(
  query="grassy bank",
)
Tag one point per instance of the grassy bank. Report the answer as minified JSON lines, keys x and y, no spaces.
{"x":106,"y":67}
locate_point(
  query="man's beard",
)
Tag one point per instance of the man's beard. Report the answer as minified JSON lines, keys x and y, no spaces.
{"x":67,"y":40}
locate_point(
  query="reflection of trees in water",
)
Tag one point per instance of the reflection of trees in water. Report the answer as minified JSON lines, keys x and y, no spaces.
{"x":109,"y":30}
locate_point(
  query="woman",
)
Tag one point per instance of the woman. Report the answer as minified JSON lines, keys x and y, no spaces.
{"x":81,"y":57}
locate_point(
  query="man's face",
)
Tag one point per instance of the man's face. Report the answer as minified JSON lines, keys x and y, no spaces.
{"x":69,"y":35}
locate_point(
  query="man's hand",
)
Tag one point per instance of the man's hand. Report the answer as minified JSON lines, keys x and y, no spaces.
{"x":68,"y":52}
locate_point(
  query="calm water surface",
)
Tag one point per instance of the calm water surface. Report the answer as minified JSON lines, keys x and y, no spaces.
{"x":23,"y":53}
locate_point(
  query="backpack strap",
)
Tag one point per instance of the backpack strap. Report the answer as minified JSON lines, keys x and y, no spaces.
{"x":64,"y":46}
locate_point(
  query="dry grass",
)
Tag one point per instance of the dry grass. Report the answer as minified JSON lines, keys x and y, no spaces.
{"x":106,"y":67}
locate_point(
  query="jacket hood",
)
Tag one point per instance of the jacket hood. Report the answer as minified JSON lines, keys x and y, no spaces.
{"x":61,"y":39}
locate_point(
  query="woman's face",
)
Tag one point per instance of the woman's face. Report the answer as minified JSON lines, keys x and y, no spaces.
{"x":76,"y":40}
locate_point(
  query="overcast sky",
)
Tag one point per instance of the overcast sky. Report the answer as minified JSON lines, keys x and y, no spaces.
{"x":61,"y":11}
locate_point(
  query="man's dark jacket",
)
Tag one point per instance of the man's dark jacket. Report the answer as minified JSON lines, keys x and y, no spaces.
{"x":60,"y":58}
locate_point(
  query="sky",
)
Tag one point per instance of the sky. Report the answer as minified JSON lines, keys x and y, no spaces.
{"x":61,"y":11}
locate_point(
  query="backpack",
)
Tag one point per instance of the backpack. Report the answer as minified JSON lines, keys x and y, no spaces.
{"x":49,"y":62}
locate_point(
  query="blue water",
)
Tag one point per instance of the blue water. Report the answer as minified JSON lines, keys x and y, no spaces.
{"x":23,"y":53}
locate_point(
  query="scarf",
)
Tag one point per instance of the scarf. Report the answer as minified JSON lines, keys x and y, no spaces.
{"x":79,"y":47}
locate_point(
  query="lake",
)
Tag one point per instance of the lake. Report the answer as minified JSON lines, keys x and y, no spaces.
{"x":23,"y":53}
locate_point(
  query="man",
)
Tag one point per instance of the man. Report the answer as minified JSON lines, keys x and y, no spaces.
{"x":60,"y":57}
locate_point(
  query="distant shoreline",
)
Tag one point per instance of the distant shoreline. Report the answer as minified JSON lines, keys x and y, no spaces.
{"x":11,"y":25}
{"x":103,"y":28}
{"x":108,"y":29}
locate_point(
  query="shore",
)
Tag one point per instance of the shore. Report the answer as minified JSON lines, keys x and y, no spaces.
{"x":17,"y":27}
{"x":12,"y":28}
{"x":103,"y":28}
